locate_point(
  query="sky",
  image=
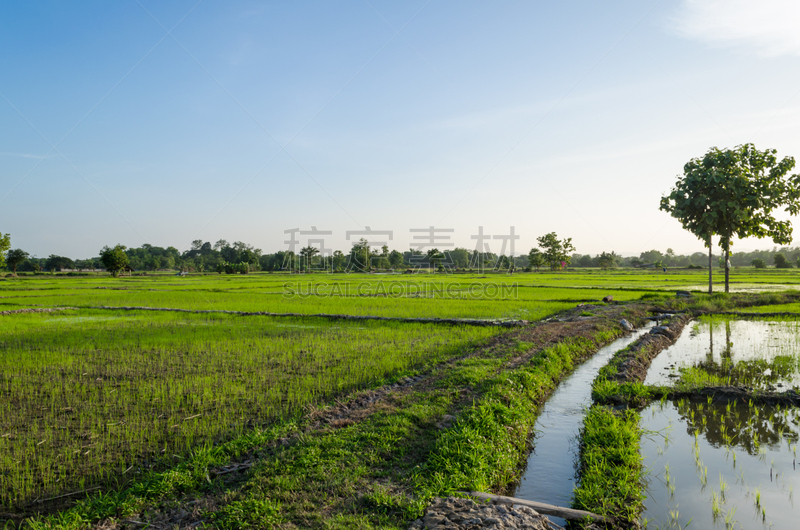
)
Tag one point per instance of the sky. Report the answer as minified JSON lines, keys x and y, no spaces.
{"x":151,"y":122}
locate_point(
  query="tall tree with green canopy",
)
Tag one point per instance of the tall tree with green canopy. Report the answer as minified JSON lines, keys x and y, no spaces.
{"x":306,"y":255}
{"x":5,"y":244}
{"x":535,"y":258}
{"x":735,"y":192}
{"x":114,"y":259}
{"x":15,"y":258}
{"x":556,"y":251}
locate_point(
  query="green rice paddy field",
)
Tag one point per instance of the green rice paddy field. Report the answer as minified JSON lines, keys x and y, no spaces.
{"x":91,"y":397}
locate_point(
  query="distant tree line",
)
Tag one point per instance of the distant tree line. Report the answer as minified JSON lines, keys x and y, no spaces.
{"x":240,"y":258}
{"x":782,"y":258}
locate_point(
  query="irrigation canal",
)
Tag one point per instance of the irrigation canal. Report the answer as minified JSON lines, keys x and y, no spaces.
{"x":550,"y":475}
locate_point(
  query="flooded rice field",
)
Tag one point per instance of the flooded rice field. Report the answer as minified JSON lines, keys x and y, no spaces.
{"x":724,"y":463}
{"x":759,"y":354}
{"x":721,"y":465}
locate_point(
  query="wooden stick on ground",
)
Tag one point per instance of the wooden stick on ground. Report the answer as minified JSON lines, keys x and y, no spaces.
{"x":547,"y":509}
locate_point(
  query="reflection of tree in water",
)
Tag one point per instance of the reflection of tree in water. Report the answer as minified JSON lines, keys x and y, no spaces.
{"x":740,"y":425}
{"x":756,"y":372}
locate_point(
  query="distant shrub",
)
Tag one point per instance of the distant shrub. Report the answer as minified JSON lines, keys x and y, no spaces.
{"x":781,"y":262}
{"x":759,"y":263}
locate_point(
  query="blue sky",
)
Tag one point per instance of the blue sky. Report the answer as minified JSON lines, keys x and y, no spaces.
{"x":161,"y":123}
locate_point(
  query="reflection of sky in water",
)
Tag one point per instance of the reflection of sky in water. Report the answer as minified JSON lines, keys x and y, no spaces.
{"x":738,"y":287}
{"x":763,"y":353}
{"x":751,"y":453}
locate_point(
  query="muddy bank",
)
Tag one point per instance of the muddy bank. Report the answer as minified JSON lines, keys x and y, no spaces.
{"x":733,"y":393}
{"x":631,"y":364}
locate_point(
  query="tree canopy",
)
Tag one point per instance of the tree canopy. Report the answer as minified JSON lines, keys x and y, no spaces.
{"x":16,"y":257}
{"x":735,"y":192}
{"x":114,"y":259}
{"x":5,"y":244}
{"x":55,"y":262}
{"x":555,"y":251}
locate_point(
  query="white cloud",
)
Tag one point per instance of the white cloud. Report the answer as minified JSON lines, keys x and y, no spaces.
{"x":767,"y":27}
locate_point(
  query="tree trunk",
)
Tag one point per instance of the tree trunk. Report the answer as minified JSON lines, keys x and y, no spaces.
{"x":727,"y":268}
{"x":710,"y":288}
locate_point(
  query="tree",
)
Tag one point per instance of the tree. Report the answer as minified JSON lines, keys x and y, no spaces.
{"x":734,"y":192}
{"x":780,"y":261}
{"x":114,"y":259}
{"x":15,"y":258}
{"x":759,"y":263}
{"x":5,"y":244}
{"x":608,"y":261}
{"x":651,"y":256}
{"x":459,"y":257}
{"x":306,"y":255}
{"x":54,"y":263}
{"x":359,"y":255}
{"x":556,"y":252}
{"x":434,"y":255}
{"x":395,"y":259}
{"x":338,"y":260}
{"x":535,"y":258}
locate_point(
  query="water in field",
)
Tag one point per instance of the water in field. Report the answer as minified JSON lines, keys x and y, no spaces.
{"x":715,"y":352}
{"x":721,"y":465}
{"x":738,"y":287}
{"x":550,"y":473}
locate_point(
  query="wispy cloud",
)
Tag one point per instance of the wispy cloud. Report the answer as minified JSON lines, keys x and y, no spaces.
{"x":766,"y":27}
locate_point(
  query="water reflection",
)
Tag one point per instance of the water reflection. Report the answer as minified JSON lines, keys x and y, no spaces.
{"x":740,"y":423}
{"x":720,"y":465}
{"x":759,"y":354}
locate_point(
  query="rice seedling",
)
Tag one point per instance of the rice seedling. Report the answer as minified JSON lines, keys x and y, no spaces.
{"x":88,"y":400}
{"x":730,"y":519}
{"x":715,"y":505}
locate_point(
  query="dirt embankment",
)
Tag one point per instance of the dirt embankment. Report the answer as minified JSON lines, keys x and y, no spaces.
{"x":633,"y":362}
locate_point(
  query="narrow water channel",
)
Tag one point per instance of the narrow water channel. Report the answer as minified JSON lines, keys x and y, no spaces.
{"x":550,"y":475}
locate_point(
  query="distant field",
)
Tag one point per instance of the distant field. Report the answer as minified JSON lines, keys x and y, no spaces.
{"x":520,"y":296}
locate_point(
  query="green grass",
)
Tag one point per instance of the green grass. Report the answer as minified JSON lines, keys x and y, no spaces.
{"x":610,"y":465}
